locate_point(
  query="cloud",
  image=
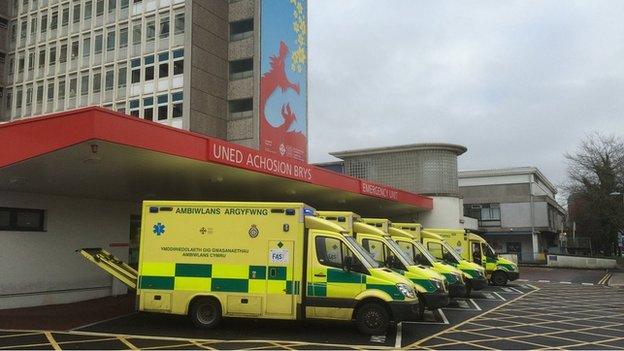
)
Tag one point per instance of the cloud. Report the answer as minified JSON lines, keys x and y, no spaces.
{"x":517,"y":82}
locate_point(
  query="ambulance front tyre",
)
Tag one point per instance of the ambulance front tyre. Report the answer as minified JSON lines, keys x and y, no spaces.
{"x":205,"y":313}
{"x":499,"y":278}
{"x":372,"y":318}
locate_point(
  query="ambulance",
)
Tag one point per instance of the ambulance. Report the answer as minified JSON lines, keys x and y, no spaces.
{"x":210,"y":260}
{"x":418,"y":254}
{"x":474,"y":248}
{"x":474,"y":274}
{"x":430,"y":286}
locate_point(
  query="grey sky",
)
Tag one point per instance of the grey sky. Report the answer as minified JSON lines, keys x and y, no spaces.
{"x":517,"y":82}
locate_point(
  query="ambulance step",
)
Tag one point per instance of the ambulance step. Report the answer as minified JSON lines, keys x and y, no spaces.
{"x":111,"y":265}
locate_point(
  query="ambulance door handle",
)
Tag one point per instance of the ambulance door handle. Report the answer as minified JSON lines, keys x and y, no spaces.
{"x":320,"y":275}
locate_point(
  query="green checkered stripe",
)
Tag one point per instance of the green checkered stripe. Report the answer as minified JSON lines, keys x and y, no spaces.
{"x":341,"y":279}
{"x":450,"y":278}
{"x":256,"y":281}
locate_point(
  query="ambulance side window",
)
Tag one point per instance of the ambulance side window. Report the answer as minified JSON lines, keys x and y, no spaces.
{"x":435,"y":249}
{"x":408,"y":249}
{"x":375,"y":248}
{"x":329,"y":251}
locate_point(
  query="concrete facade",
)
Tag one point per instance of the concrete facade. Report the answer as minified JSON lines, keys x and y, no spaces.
{"x":429,"y":169}
{"x":175,"y":62}
{"x":515,"y":208}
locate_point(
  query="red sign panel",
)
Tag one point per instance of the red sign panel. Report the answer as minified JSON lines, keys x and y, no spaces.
{"x":379,"y":191}
{"x":264,"y":162}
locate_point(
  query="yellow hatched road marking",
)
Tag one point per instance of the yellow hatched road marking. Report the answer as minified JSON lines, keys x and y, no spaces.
{"x":413,"y":345}
{"x":127,"y":343}
{"x":53,"y":342}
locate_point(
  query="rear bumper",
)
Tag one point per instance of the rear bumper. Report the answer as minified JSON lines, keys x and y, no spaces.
{"x":436,"y":300}
{"x":457,"y":289}
{"x":404,"y":311}
{"x":478,"y":284}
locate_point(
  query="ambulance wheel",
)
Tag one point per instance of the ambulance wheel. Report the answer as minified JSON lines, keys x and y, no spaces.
{"x":205,"y":313}
{"x":372,"y":318}
{"x":499,"y":278}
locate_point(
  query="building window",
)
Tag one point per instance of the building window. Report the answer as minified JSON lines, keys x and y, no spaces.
{"x":241,"y":29}
{"x":88,"y":10}
{"x":29,"y":93}
{"x":22,"y":219}
{"x":110,"y":80}
{"x":74,"y":49}
{"x":240,"y":69}
{"x":241,"y":108}
{"x":179,"y":23}
{"x":163,"y":105}
{"x":40,"y":92}
{"x":164,"y":27}
{"x":489,"y":215}
{"x":9,"y":99}
{"x":99,"y":8}
{"x":18,"y":98}
{"x":112,"y":4}
{"x":44,"y":24}
{"x":31,"y":61}
{"x":86,"y":46}
{"x":178,"y":63}
{"x":33,"y":27}
{"x":148,"y":108}
{"x":52,"y":56}
{"x":110,"y":39}
{"x":76,"y":14}
{"x":84,"y":83}
{"x":61,"y":90}
{"x":20,"y":65}
{"x":123,"y":37}
{"x":97,"y":82}
{"x":65,"y":17}
{"x":177,"y":104}
{"x":23,"y":29}
{"x":134,"y":108}
{"x":136,"y":71}
{"x":136,"y":34}
{"x":124,"y":4}
{"x":149,"y":68}
{"x":50,"y":92}
{"x":54,"y":20}
{"x":63,"y":55}
{"x":73,"y":87}
{"x":41,"y":58}
{"x":150,"y":29}
{"x":122,"y":77}
{"x":98,"y":44}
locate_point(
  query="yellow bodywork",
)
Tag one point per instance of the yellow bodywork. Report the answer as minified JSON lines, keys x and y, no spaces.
{"x":252,"y":258}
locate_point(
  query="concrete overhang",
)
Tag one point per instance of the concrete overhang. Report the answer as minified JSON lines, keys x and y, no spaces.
{"x":98,"y":153}
{"x":457,"y":149}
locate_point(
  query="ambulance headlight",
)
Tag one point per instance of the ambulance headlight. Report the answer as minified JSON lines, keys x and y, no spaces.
{"x":458,"y":276}
{"x":438,"y":284}
{"x":406,"y":290}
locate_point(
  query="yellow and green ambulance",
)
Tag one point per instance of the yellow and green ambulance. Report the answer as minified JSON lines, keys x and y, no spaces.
{"x":474,"y":248}
{"x":210,"y":260}
{"x":408,"y":242}
{"x":430,"y":286}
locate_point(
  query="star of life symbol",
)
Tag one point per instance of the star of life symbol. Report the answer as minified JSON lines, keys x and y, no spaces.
{"x":159,"y":229}
{"x":203,"y":230}
{"x":282,"y":149}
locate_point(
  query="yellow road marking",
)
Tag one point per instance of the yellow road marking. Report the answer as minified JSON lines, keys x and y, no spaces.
{"x":53,"y":342}
{"x":127,"y":343}
{"x":413,"y":345}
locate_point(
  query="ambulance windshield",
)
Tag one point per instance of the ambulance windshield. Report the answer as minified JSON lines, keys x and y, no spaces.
{"x":421,"y":249}
{"x":363,"y":253}
{"x":397,"y":249}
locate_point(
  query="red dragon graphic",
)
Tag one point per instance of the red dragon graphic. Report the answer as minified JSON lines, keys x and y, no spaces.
{"x":272,"y":138}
